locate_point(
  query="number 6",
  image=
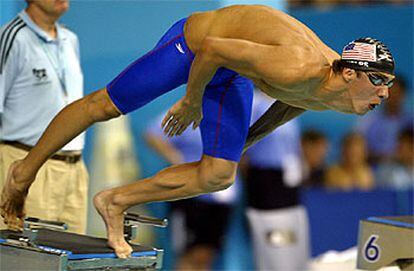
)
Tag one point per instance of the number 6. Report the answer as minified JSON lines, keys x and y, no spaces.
{"x":371,"y":250}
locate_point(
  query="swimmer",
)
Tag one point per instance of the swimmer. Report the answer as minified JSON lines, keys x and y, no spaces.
{"x":219,"y":54}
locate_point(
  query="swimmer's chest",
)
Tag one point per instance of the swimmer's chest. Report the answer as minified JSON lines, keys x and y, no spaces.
{"x":301,"y":95}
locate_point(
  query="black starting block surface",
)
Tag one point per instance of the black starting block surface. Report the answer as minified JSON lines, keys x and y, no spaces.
{"x":76,"y":246}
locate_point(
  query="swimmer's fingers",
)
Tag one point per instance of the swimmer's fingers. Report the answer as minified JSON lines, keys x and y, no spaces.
{"x":180,"y":116}
{"x":170,"y":126}
{"x":196,"y":123}
{"x":182,"y":129}
{"x":170,"y":121}
{"x":175,"y":117}
{"x":176,"y":129}
{"x":166,"y":119}
{"x":180,"y":125}
{"x":193,"y":118}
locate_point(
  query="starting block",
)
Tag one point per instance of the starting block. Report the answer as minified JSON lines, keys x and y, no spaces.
{"x":44,"y":245}
{"x":385,"y":241}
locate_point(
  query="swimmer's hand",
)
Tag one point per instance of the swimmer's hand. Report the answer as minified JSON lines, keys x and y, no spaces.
{"x":180,"y":116}
{"x":14,"y":195}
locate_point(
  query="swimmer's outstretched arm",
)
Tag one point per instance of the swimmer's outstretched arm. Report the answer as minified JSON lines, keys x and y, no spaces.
{"x":68,"y":123}
{"x":280,"y":63}
{"x":277,"y":115}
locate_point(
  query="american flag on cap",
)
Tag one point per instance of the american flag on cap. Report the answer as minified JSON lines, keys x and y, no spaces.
{"x":360,"y":51}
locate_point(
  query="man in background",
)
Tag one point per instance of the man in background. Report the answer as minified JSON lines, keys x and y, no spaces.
{"x":278,"y":222}
{"x":40,"y":74}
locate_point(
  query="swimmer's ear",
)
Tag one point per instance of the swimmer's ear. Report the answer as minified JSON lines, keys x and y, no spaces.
{"x":349,"y":75}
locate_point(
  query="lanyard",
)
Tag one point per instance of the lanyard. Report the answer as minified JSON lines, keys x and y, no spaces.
{"x":58,"y":65}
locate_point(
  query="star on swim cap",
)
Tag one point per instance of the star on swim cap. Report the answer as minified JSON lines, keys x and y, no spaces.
{"x":367,"y":54}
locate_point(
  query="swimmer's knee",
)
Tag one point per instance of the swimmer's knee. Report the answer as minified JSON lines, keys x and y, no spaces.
{"x":216,"y":174}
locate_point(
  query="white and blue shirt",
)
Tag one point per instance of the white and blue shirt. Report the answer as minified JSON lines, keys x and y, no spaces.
{"x":39,"y":76}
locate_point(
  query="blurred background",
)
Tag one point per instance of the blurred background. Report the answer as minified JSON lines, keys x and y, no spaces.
{"x":333,"y":146}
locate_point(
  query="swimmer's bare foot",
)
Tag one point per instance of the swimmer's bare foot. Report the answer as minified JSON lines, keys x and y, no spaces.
{"x":114,"y":221}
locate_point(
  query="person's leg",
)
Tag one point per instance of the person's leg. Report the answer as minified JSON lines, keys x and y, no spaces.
{"x":205,"y":238}
{"x":198,"y":257}
{"x":39,"y":199}
{"x":190,"y":257}
{"x":187,"y":180}
{"x":8,"y":155}
{"x":46,"y":196}
{"x":227,"y":111}
{"x":278,"y":224}
{"x":280,"y":238}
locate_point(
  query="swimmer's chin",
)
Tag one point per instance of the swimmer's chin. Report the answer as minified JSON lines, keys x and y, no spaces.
{"x":359,"y":112}
{"x":364,"y":111}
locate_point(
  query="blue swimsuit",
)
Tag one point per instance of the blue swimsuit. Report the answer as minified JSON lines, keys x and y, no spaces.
{"x":227,"y":99}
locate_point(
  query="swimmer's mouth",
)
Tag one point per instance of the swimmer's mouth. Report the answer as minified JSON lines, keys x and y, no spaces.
{"x":372,"y":106}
